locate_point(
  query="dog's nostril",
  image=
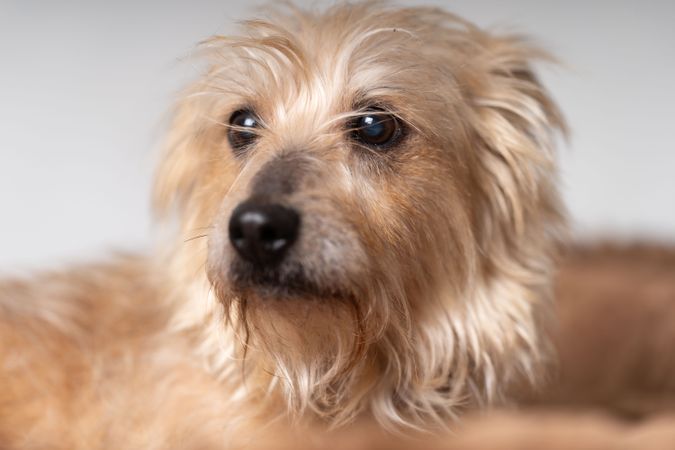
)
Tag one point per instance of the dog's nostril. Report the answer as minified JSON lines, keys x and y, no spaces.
{"x":262,"y":233}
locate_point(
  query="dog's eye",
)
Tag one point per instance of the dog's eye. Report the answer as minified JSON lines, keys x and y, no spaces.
{"x":242,"y":132}
{"x":376,"y":129}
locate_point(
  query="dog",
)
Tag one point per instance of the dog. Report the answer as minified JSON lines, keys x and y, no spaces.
{"x":364,"y":221}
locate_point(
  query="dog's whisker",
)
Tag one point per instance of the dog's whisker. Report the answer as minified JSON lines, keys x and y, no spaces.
{"x":195,"y":238}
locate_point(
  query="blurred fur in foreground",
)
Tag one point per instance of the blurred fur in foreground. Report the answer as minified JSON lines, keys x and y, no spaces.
{"x":414,"y":283}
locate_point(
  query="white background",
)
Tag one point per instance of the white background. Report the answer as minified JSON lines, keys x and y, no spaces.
{"x":85,"y":86}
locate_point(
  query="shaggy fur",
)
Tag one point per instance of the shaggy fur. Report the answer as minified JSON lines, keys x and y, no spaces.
{"x":419,"y":285}
{"x":406,"y":339}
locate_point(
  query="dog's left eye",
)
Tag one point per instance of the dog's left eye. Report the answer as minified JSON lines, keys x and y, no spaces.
{"x":376,"y":129}
{"x":242,"y":132}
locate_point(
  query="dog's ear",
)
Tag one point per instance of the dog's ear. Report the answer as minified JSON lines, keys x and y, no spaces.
{"x":174,"y":179}
{"x":195,"y":159}
{"x":517,"y":124}
{"x":519,"y":214}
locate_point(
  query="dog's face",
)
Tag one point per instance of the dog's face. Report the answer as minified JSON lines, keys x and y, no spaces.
{"x":376,"y":187}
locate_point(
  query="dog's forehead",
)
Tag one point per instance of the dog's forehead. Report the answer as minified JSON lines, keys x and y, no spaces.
{"x":294,"y":75}
{"x":322,"y":66}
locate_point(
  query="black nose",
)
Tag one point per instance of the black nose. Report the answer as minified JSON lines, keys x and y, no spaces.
{"x":262,"y":232}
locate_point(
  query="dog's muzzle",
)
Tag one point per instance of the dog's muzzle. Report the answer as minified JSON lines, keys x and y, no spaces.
{"x":262,"y":233}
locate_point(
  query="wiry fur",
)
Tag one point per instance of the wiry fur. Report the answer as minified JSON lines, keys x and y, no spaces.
{"x":446,"y":244}
{"x":426,"y":269}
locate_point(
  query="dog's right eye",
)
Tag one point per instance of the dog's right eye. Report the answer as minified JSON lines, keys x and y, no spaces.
{"x":242,"y":129}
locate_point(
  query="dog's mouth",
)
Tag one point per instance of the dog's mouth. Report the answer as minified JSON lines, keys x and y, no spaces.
{"x":281,"y":283}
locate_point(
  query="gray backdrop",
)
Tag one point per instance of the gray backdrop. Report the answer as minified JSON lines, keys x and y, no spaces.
{"x":84,"y":86}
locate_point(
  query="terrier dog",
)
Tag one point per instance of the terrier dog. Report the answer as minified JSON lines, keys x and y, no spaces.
{"x":367,"y":221}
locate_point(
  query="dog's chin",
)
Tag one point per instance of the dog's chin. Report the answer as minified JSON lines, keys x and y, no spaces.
{"x":278,"y":307}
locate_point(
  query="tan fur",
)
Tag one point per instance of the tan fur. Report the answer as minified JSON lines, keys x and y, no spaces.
{"x":473,"y":191}
{"x":431,"y":262}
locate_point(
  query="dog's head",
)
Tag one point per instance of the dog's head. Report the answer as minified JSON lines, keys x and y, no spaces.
{"x":377,"y":190}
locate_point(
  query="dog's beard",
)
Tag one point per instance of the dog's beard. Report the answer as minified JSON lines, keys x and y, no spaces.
{"x":323,"y":350}
{"x":331,"y":348}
